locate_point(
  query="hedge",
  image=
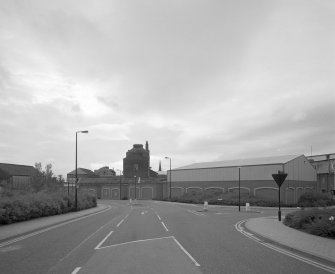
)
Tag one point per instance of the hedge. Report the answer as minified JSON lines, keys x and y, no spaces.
{"x":315,"y":199}
{"x":218,"y":198}
{"x":316,"y":221}
{"x":41,"y":204}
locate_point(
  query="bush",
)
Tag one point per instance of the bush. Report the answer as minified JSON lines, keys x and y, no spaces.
{"x":315,"y":199}
{"x":314,"y":221}
{"x":219,"y":198}
{"x":35,"y":205}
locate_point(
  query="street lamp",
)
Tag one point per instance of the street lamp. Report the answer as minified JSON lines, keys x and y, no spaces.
{"x":135,"y":185}
{"x":75,"y":192}
{"x":120,"y":182}
{"x":170,"y":175}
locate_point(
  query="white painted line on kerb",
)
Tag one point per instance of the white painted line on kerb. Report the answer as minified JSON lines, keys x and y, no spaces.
{"x":185,"y":251}
{"x":164,"y":226}
{"x":98,"y":246}
{"x":159,"y":218}
{"x":239,"y":228}
{"x":76,"y":270}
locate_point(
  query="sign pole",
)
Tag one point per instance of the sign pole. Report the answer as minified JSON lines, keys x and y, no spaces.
{"x":279,"y":179}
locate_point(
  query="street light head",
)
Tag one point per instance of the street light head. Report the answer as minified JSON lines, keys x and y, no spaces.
{"x":84,"y":131}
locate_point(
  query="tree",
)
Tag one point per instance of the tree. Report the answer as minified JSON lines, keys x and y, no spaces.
{"x":44,"y":179}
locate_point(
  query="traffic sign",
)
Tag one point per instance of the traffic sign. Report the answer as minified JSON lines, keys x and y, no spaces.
{"x":279,"y":178}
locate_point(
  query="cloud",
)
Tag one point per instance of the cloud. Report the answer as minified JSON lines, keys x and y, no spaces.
{"x":200,"y":81}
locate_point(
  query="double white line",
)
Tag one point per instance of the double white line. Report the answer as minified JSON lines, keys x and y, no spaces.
{"x":239,"y":228}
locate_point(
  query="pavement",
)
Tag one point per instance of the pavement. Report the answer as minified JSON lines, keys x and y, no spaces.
{"x":14,"y":230}
{"x":267,"y":227}
{"x":276,"y":231}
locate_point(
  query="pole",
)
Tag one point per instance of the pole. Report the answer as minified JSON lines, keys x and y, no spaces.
{"x":75,"y":184}
{"x":279,"y":212}
{"x":239,"y":189}
{"x":135,"y":186}
{"x":170,"y":179}
{"x":120,"y":185}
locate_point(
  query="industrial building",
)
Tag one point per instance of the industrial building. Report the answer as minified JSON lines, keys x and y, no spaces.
{"x":16,"y":176}
{"x":325,"y":169}
{"x":254,"y":175}
{"x":137,"y":174}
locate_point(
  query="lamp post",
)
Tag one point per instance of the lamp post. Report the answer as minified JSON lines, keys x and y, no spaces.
{"x":120,"y":182}
{"x":135,"y":185}
{"x":170,"y":177}
{"x":75,"y":184}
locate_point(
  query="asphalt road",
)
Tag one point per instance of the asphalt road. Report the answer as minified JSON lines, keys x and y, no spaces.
{"x":150,"y":237}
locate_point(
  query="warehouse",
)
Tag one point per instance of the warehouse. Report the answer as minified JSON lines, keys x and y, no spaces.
{"x":254,"y":175}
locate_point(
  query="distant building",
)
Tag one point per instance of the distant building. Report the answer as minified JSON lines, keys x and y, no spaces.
{"x":255,"y":177}
{"x":324,"y":165}
{"x":81,"y":173}
{"x":136,"y":172}
{"x":16,"y":176}
{"x":137,"y":162}
{"x":105,"y":172}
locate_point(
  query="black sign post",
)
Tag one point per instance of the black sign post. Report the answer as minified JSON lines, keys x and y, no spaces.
{"x":279,"y":179}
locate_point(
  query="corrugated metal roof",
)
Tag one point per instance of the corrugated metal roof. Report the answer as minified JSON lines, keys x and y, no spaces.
{"x":243,"y":162}
{"x":17,"y":170}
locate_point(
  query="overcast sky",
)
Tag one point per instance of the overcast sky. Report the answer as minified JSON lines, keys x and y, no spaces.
{"x":200,"y":80}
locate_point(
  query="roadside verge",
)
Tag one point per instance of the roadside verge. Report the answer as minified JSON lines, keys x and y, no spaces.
{"x":11,"y":231}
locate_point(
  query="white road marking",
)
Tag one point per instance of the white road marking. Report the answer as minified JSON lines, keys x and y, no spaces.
{"x":10,"y":248}
{"x":238,"y":227}
{"x":196,"y":213}
{"x":122,"y":220}
{"x":86,"y":239}
{"x":120,"y":223}
{"x":159,"y":218}
{"x":164,"y":226}
{"x":138,"y":241}
{"x":185,"y":251}
{"x":50,"y":228}
{"x":98,"y":246}
{"x":76,"y":270}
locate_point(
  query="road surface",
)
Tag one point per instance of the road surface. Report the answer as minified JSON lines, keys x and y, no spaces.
{"x":149,"y":237}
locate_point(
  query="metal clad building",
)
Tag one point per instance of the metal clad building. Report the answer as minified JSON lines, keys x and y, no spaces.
{"x":255,"y":176}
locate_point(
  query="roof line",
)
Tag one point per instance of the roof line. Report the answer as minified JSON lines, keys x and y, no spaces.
{"x":16,"y":165}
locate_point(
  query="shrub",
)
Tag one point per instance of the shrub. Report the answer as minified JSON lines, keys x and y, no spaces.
{"x":35,"y":205}
{"x":315,"y":199}
{"x":219,"y":198}
{"x":314,"y":221}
